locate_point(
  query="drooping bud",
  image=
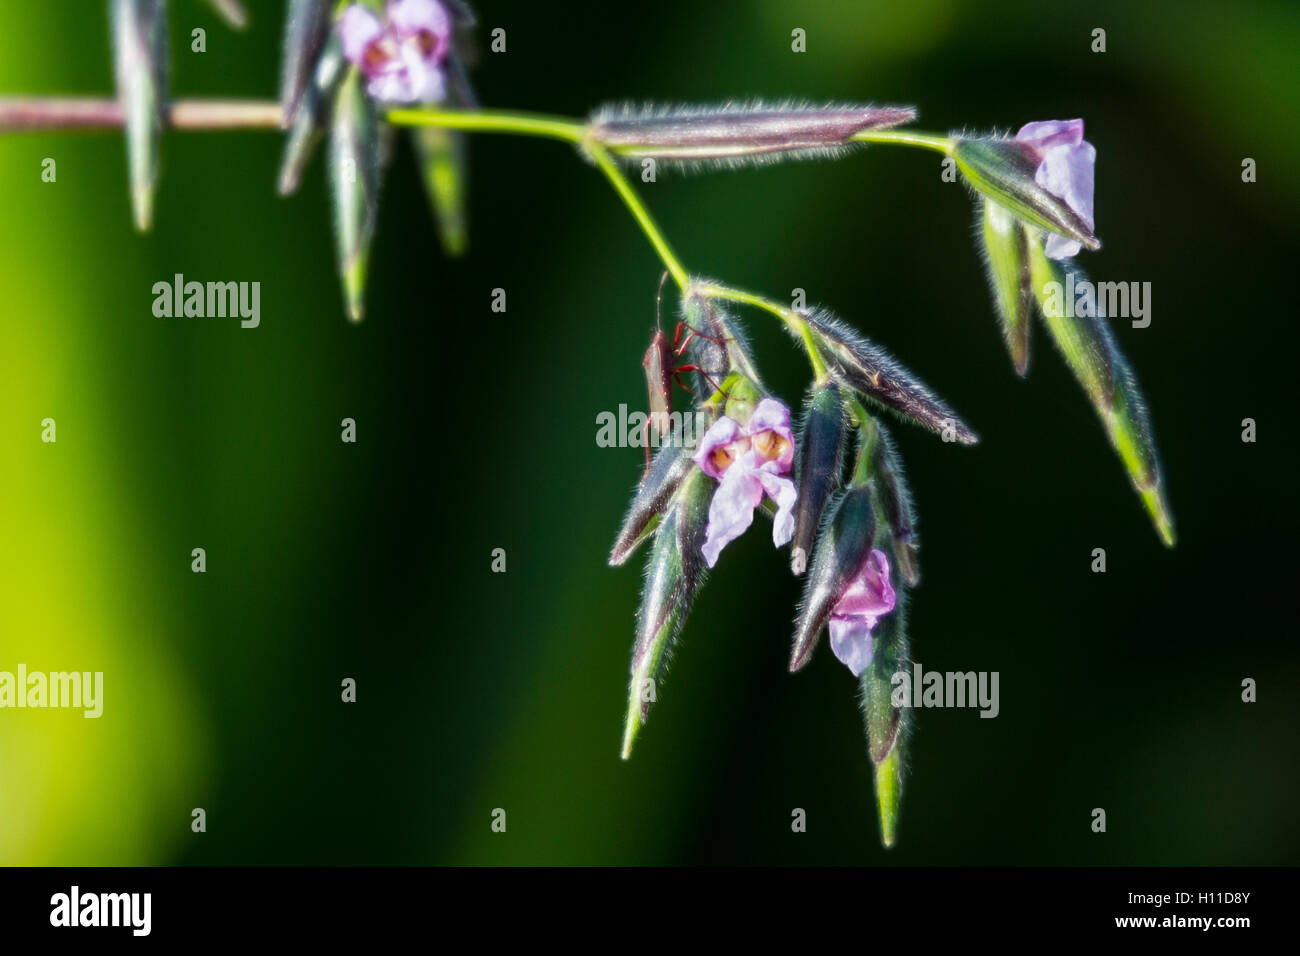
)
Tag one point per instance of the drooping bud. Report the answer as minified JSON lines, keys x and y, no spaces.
{"x":443,"y":154}
{"x":355,"y":168}
{"x":306,"y":27}
{"x":140,"y":62}
{"x":1005,"y":171}
{"x":312,"y":116}
{"x":880,"y":379}
{"x":885,"y":470}
{"x":1086,"y":343}
{"x":1006,"y":252}
{"x":740,"y":134}
{"x":652,"y":498}
{"x":887,"y":723}
{"x":818,"y":463}
{"x":718,"y":347}
{"x":675,"y":572}
{"x":845,"y":541}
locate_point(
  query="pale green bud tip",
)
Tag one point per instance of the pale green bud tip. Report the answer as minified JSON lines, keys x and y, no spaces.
{"x":142,"y":207}
{"x":889,"y":794}
{"x":1158,"y":508}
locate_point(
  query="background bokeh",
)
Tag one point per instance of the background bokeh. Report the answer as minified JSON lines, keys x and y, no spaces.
{"x":476,"y":431}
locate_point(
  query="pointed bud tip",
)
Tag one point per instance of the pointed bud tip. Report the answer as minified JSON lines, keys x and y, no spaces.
{"x":629,"y":734}
{"x":142,"y":212}
{"x":1158,"y":509}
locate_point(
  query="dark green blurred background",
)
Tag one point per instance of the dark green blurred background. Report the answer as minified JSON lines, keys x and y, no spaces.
{"x":476,"y":431}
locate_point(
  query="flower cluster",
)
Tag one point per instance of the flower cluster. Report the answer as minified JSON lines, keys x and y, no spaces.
{"x":849,"y":520}
{"x":402,"y":55}
{"x":749,"y":461}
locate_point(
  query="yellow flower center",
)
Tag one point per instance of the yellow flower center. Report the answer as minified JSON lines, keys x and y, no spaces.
{"x":722,"y":457}
{"x":769,"y":445}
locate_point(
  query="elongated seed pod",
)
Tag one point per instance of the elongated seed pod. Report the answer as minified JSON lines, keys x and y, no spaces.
{"x":738,"y":134}
{"x":674,"y":574}
{"x":1090,"y":351}
{"x":880,"y":379}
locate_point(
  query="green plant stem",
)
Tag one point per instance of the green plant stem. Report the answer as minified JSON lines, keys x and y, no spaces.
{"x":52,"y":113}
{"x":492,"y":121}
{"x":942,"y":144}
{"x":789,"y":316}
{"x":606,"y":164}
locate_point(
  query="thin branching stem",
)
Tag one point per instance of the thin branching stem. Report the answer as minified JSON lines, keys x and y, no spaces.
{"x":19,"y":114}
{"x":787,"y":315}
{"x":30,"y":114}
{"x":493,"y":121}
{"x":639,"y":212}
{"x":899,"y":137}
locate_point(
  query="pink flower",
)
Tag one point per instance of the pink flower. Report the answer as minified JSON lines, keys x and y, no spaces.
{"x":402,"y":57}
{"x":868,"y":598}
{"x":1065,"y":169}
{"x":749,"y":461}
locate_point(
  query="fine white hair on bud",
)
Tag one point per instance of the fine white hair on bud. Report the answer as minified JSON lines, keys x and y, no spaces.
{"x":736,"y":134}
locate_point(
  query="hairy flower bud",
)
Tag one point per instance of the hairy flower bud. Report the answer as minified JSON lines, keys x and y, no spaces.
{"x":738,"y":134}
{"x":653,"y":497}
{"x":1017,"y":174}
{"x":887,"y":724}
{"x":1086,"y":343}
{"x":880,"y":379}
{"x":1006,"y":252}
{"x":818,"y":463}
{"x":893,"y":500}
{"x":845,"y":542}
{"x":675,"y":571}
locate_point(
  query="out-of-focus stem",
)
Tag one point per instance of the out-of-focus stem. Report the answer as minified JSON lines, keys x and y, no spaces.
{"x":492,"y":121}
{"x":28,"y":114}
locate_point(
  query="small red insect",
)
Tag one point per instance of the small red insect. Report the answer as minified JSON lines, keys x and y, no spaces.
{"x":660,"y":373}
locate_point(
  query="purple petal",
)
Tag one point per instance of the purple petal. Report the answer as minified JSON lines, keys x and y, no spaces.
{"x":771,"y":415}
{"x":1068,"y":173}
{"x":1047,"y":134}
{"x":782,"y":491}
{"x":358,"y":29}
{"x":731,"y":511}
{"x":1059,"y":247}
{"x":412,"y":17}
{"x":869,"y":594}
{"x":725,"y":431}
{"x":851,"y":642}
{"x":424,"y":77}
